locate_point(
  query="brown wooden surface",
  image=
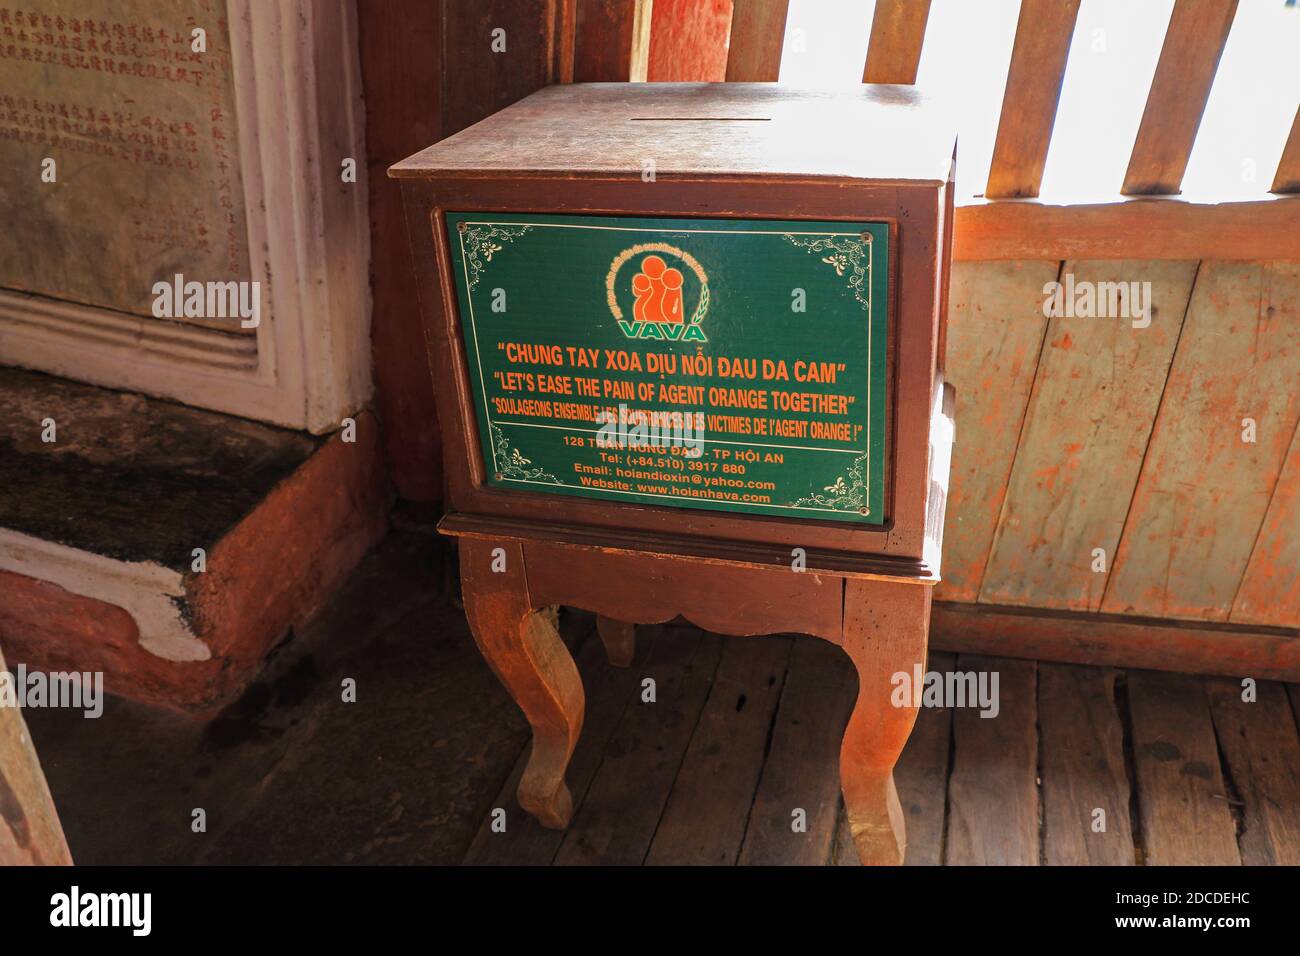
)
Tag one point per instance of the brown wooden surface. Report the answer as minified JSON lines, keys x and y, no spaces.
{"x":1261,"y":751}
{"x":1129,"y":229}
{"x":1112,"y":640}
{"x":704,"y":820}
{"x":620,"y":817}
{"x":757,"y":38}
{"x":612,"y":41}
{"x":995,"y":335}
{"x":428,"y":71}
{"x":619,"y":639}
{"x":1204,"y":493}
{"x":994,"y":772}
{"x":1287,"y":177}
{"x":756,"y":602}
{"x":688,"y":41}
{"x":1083,"y":768}
{"x":1270,"y":589}
{"x":30,"y":832}
{"x":625,"y":768}
{"x":922,"y":777}
{"x":1081,"y":449}
{"x":897,"y":33}
{"x":604,"y":129}
{"x":817,"y":693}
{"x":1189,"y":58}
{"x":1034,"y":80}
{"x":1183,"y":804}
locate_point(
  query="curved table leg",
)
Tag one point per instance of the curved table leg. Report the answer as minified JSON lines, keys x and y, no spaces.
{"x":619,"y":639}
{"x":885,"y":629}
{"x":524,"y":650}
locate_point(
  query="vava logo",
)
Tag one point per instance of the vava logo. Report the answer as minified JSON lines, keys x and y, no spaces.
{"x":661,"y":282}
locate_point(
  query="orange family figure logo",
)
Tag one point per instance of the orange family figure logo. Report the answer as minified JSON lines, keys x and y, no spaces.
{"x":659,"y":293}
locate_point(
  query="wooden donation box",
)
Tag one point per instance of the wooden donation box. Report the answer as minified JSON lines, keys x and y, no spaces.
{"x":686,"y":342}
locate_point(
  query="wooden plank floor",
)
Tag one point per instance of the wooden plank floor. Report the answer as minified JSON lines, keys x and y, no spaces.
{"x":720,"y":750}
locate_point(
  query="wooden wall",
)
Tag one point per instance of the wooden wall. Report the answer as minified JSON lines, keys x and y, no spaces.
{"x":1075,"y":434}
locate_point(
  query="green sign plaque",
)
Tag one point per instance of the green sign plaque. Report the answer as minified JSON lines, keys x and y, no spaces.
{"x":731,"y":365}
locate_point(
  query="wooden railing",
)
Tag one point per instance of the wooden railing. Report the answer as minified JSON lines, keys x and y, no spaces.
{"x":618,"y":34}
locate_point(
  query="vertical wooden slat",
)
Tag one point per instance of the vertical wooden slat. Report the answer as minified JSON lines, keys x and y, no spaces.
{"x":1206,"y":486}
{"x":612,"y":41}
{"x":1261,"y":749}
{"x":1269,"y":592}
{"x":688,"y":41}
{"x":1034,"y":79}
{"x":801,"y":771}
{"x":704,"y":820}
{"x":1182,"y":801}
{"x":757,"y":37}
{"x":30,"y":832}
{"x":564,"y":26}
{"x":995,"y":333}
{"x":1082,"y":768}
{"x":897,"y":32}
{"x":1198,"y":30}
{"x":1096,"y":392}
{"x":1287,"y":179}
{"x":993,"y":792}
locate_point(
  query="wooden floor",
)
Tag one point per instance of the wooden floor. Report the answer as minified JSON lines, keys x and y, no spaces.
{"x":1081,"y":765}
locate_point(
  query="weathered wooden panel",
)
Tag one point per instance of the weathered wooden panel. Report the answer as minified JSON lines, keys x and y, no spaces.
{"x":618,"y":817}
{"x":801,"y":771}
{"x":922,"y":776}
{"x":1034,"y":79}
{"x":1095,"y":396}
{"x":1261,"y":748}
{"x":1198,"y":30}
{"x":688,"y":41}
{"x":1083,"y":768}
{"x":993,"y":792}
{"x":1182,"y":801}
{"x":1270,"y":589}
{"x":30,"y":832}
{"x":704,"y":821}
{"x":757,"y":38}
{"x":1287,"y":177}
{"x":612,"y":41}
{"x":897,"y":33}
{"x":1204,"y":491}
{"x":1085,"y":637}
{"x":995,"y":333}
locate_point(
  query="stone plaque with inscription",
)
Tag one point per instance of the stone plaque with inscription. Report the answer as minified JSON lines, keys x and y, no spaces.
{"x":141,"y":128}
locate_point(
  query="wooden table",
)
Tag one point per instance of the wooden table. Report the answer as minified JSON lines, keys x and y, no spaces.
{"x":686,"y":160}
